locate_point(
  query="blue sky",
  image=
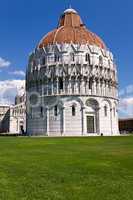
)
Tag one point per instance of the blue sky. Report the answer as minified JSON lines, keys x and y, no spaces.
{"x":24,"y":22}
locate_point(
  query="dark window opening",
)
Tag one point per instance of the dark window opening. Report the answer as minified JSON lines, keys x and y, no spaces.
{"x":87,"y":58}
{"x":105,"y":111}
{"x":73,"y":110}
{"x":60,"y":84}
{"x":109,"y":62}
{"x":72,"y":57}
{"x":44,"y":61}
{"x":55,"y":110}
{"x":41,"y":111}
{"x":56,"y":58}
{"x":100,"y":60}
{"x":114,"y":111}
{"x":90,"y":84}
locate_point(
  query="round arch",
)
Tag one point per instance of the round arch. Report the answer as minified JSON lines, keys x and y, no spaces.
{"x":92,"y":103}
{"x":108,"y":101}
{"x":74,"y":100}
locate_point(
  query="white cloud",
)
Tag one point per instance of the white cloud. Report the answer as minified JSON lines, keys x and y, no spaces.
{"x":127,"y":91}
{"x":9,"y":89}
{"x":4,"y":63}
{"x":18,"y":73}
{"x":126,"y":101}
{"x":126,"y":106}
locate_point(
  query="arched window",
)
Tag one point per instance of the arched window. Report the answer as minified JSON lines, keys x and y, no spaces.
{"x":55,"y":110}
{"x":90,"y":84}
{"x":44,"y":61}
{"x":56,"y":58}
{"x":87,"y":58}
{"x":60,"y":84}
{"x":114,"y":111}
{"x":100,"y":60}
{"x":41,"y":111}
{"x":73,"y":110}
{"x":31,"y":112}
{"x":105,"y":110}
{"x":72,"y":57}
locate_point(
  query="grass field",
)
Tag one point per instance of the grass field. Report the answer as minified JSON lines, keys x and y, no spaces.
{"x":94,"y":168}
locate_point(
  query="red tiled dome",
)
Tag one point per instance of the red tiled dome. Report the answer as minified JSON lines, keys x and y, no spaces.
{"x":71,"y":29}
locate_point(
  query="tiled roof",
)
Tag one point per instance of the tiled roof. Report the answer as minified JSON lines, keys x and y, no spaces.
{"x":71,"y":29}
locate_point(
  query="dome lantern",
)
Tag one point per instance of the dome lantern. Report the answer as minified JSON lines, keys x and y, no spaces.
{"x":70,"y":10}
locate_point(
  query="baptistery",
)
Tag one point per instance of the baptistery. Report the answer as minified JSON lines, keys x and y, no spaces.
{"x":71,"y":83}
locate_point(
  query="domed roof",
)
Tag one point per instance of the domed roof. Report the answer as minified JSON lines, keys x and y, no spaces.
{"x":71,"y":29}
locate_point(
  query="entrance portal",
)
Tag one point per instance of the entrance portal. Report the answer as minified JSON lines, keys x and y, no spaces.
{"x":90,"y":124}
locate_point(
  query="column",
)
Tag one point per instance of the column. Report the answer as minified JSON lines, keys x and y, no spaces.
{"x":47,"y":121}
{"x":82,"y":86}
{"x":87,"y":86}
{"x":102,"y":88}
{"x":93,"y":85}
{"x":83,"y":118}
{"x":109,"y":89}
{"x":47,"y":87}
{"x":98,"y":114}
{"x":64,"y":85}
{"x":66,"y":90}
{"x":76,"y":86}
{"x":111,"y":120}
{"x":70,"y":86}
{"x":105,"y":88}
{"x":52,"y":89}
{"x":98,"y":87}
{"x":42,"y":92}
{"x":63,"y":120}
{"x":112,"y":88}
{"x":17,"y":125}
{"x":57,"y":85}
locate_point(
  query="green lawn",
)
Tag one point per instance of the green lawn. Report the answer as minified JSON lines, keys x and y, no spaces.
{"x":93,"y":168}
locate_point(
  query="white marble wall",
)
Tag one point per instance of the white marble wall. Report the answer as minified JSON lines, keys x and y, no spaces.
{"x":17,"y":118}
{"x":93,"y":79}
{"x":66,"y":124}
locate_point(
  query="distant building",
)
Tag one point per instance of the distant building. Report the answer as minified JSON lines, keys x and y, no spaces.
{"x":73,"y":77}
{"x":13,"y":118}
{"x":18,"y":115}
{"x":126,"y":125}
{"x":4,"y":118}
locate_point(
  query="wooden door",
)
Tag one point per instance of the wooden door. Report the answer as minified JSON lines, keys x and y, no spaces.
{"x":90,"y":124}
